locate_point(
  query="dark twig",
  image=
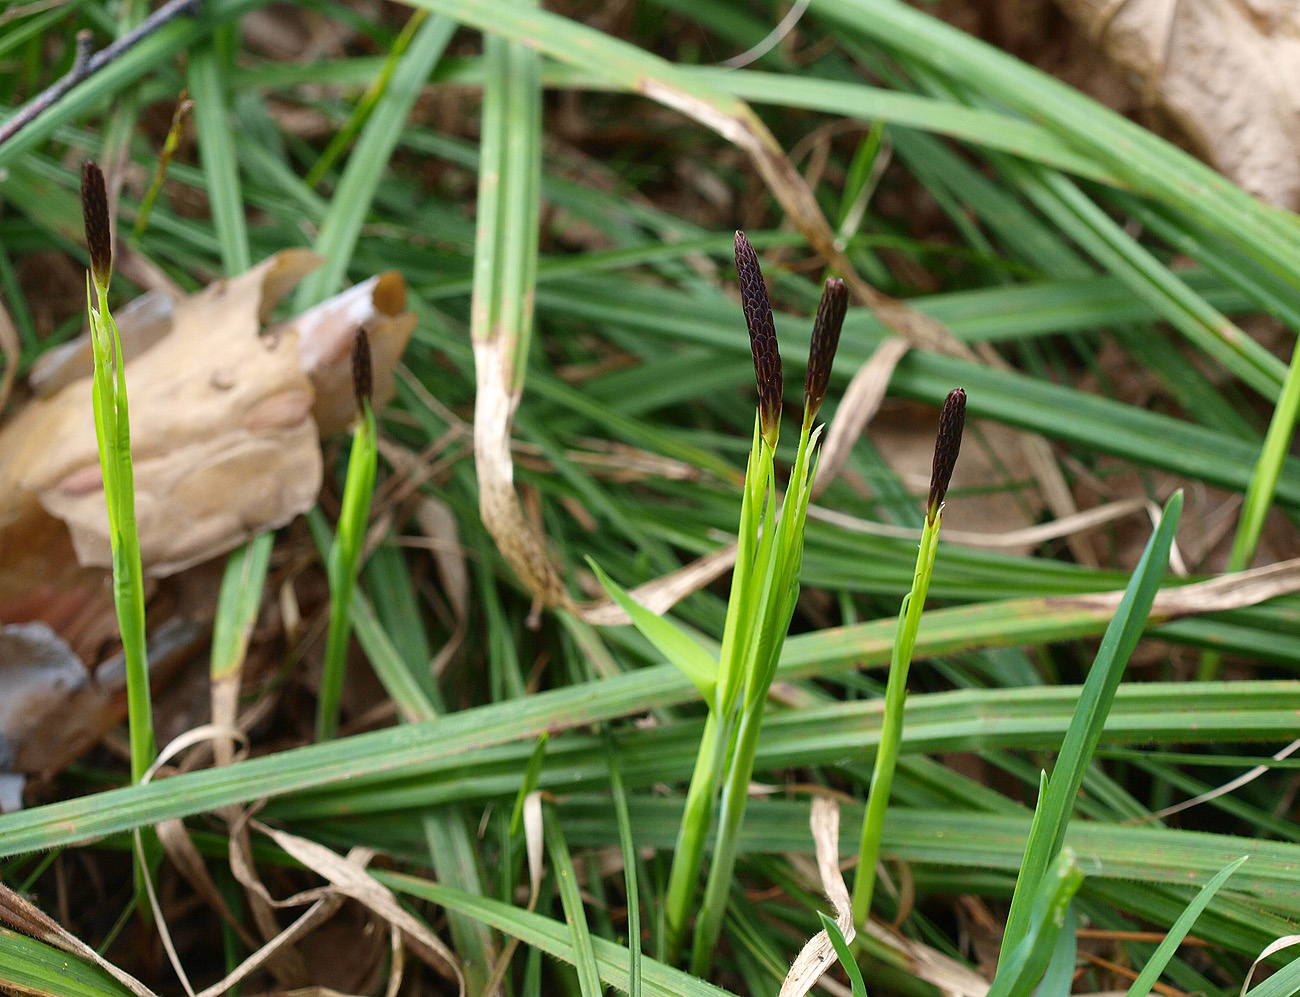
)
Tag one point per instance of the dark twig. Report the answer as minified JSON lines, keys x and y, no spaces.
{"x":85,"y":65}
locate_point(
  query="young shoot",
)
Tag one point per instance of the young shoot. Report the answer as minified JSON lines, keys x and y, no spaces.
{"x":764,"y":587}
{"x":345,"y":554}
{"x":113,"y":435}
{"x":952,"y":420}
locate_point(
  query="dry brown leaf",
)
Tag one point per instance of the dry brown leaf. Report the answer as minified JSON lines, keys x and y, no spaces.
{"x":1027,"y":537}
{"x":818,"y":955}
{"x":663,"y":593}
{"x":1236,"y":590}
{"x":1226,"y":71}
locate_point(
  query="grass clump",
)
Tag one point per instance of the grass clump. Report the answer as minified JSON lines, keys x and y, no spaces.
{"x":1087,"y":282}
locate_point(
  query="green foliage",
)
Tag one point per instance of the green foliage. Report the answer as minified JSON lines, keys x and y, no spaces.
{"x":624,"y":345}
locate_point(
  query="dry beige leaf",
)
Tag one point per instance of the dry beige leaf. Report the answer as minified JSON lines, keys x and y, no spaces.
{"x":1285,"y":942}
{"x":438,"y":524}
{"x":214,"y":408}
{"x":1028,"y":537}
{"x":321,"y":911}
{"x":1231,"y":785}
{"x":818,"y":955}
{"x":10,"y":349}
{"x":949,"y":976}
{"x":223,"y":418}
{"x":1235,"y":590}
{"x":859,"y":405}
{"x":1226,"y":71}
{"x":350,"y":878}
{"x":520,"y":544}
{"x":663,"y":593}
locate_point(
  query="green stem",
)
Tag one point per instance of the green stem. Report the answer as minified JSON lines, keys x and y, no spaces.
{"x":735,"y":794}
{"x":1262,"y":487}
{"x":891,"y":729}
{"x":344,"y":559}
{"x":688,"y":856}
{"x":113,"y":431}
{"x":697,"y":817}
{"x":778,"y":564}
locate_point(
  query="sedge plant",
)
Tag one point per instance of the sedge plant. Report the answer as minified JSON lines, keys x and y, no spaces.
{"x":345,"y":553}
{"x":764,"y":587}
{"x":952,"y":420}
{"x":113,"y":436}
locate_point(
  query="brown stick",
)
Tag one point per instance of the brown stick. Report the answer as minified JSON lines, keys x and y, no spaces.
{"x":84,"y":65}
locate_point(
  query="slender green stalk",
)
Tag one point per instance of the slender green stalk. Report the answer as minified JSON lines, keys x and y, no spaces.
{"x":174,"y":133}
{"x":361,"y":113}
{"x":113,"y":434}
{"x":946,"y":449}
{"x":345,"y":554}
{"x":683,"y":881}
{"x":1262,"y":488}
{"x":628,"y":847}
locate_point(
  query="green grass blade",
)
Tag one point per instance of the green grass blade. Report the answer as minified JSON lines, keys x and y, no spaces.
{"x":628,"y":847}
{"x":845,"y":955}
{"x":238,"y":602}
{"x":679,"y":648}
{"x":1085,"y":729}
{"x":355,"y":194}
{"x":217,"y":143}
{"x":584,"y":954}
{"x":29,"y":966}
{"x":556,"y":939}
{"x":1168,"y":946}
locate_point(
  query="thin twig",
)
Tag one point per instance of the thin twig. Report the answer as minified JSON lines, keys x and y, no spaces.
{"x":84,"y":65}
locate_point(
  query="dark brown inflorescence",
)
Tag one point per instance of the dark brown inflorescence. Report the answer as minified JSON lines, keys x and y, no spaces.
{"x":825,"y":341}
{"x":952,"y":420}
{"x":361,"y":376}
{"x":762,"y":338}
{"x":94,"y":209}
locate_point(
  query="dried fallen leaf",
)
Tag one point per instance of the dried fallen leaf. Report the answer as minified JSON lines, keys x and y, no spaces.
{"x":1227,"y":71}
{"x":351,"y":879}
{"x":226,"y":444}
{"x":818,"y":955}
{"x":225,"y":430}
